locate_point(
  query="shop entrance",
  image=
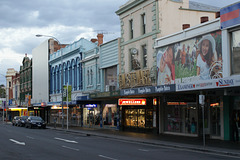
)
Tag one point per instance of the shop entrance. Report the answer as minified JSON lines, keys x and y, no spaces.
{"x":138,"y":119}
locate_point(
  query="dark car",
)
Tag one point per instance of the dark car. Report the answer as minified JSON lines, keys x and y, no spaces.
{"x":15,"y":120}
{"x":22,"y":121}
{"x":35,"y":122}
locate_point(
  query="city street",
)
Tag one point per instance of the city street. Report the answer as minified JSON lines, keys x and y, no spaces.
{"x":22,"y":143}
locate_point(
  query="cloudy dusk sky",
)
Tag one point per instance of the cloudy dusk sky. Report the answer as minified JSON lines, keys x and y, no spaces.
{"x":67,"y":20}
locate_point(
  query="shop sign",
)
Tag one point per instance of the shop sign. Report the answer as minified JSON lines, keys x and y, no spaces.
{"x":230,"y":16}
{"x":196,"y":86}
{"x":148,"y":90}
{"x":43,"y":104}
{"x":79,"y":98}
{"x":225,"y":82}
{"x":104,"y":94}
{"x":135,"y":79}
{"x":164,"y":88}
{"x":129,"y":102}
{"x":91,"y":105}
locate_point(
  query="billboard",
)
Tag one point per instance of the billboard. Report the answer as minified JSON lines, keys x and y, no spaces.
{"x":199,"y":58}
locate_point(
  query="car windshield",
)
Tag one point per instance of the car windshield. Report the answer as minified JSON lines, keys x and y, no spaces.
{"x":36,"y":118}
{"x":24,"y":117}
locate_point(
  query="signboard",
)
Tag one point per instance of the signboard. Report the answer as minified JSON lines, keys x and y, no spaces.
{"x":229,"y":15}
{"x":91,"y":105}
{"x":148,"y":90}
{"x":201,"y":99}
{"x":185,"y":61}
{"x":133,"y":102}
{"x":67,"y":90}
{"x":231,"y":81}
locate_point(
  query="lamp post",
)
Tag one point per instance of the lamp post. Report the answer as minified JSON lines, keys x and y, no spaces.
{"x":39,"y":35}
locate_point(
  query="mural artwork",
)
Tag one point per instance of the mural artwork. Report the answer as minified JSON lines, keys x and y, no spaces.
{"x":195,"y":59}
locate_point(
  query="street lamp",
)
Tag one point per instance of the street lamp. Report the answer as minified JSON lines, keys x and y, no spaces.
{"x":39,"y":35}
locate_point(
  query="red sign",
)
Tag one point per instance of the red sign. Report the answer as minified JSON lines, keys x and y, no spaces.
{"x":132,"y":102}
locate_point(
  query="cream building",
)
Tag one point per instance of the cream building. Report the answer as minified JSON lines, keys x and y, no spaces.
{"x":142,"y":22}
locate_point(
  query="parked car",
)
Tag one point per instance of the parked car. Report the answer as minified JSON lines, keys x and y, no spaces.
{"x":35,"y":122}
{"x":22,"y":121}
{"x":15,"y":120}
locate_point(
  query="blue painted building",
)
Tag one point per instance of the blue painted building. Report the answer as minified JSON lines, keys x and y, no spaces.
{"x":70,"y":58}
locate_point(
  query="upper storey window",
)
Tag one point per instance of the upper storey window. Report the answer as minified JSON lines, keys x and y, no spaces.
{"x":143,"y":16}
{"x":131,"y":28}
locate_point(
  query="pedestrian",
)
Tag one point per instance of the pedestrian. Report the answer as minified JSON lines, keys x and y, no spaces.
{"x":235,"y":119}
{"x":193,"y":125}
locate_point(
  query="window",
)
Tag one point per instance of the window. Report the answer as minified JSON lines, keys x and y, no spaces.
{"x":144,"y":51}
{"x":235,"y":49}
{"x":143,"y":23}
{"x":9,"y":84}
{"x":91,"y":74}
{"x":131,"y":29}
{"x":99,"y":76}
{"x":88,"y":76}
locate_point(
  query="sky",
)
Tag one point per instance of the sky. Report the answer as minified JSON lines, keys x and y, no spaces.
{"x":67,"y":20}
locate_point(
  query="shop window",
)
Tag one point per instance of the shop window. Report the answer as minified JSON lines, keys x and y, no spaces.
{"x":235,"y":50}
{"x":181,"y":117}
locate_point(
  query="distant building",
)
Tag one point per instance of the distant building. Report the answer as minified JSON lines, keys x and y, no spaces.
{"x":26,"y":81}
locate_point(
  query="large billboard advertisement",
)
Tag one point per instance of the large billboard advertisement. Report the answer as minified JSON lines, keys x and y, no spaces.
{"x":199,"y":58}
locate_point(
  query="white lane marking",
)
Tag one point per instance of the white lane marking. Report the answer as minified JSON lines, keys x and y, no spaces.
{"x":107,"y":157}
{"x":65,"y":140}
{"x":30,"y":137}
{"x":75,"y":149}
{"x":143,"y":150}
{"x":20,"y":143}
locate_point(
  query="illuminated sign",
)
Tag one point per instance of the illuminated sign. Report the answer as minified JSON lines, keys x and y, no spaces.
{"x":91,"y":105}
{"x":176,"y":103}
{"x":155,"y":101}
{"x":214,"y":104}
{"x":134,"y":102}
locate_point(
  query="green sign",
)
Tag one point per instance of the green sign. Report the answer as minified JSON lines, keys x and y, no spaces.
{"x":67,"y":90}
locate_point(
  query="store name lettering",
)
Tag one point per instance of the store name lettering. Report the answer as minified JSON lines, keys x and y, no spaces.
{"x":227,"y":82}
{"x":128,"y":92}
{"x":186,"y":86}
{"x":134,"y":79}
{"x":162,"y":88}
{"x":144,"y":90}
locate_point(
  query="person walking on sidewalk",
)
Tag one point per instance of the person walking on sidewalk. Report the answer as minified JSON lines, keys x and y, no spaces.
{"x":235,"y":119}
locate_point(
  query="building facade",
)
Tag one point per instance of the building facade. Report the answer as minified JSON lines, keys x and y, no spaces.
{"x":26,"y":81}
{"x":72,"y":74}
{"x":108,"y":79}
{"x":142,"y":22}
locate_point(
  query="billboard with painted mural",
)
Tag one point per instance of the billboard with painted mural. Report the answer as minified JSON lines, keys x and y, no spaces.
{"x":199,"y":58}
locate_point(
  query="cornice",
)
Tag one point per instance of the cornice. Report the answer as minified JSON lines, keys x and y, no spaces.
{"x":129,"y":6}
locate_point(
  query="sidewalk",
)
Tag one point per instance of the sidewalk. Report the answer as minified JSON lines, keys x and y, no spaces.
{"x":181,"y":142}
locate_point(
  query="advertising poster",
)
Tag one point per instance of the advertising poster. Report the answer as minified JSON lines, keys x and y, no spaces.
{"x":199,"y":58}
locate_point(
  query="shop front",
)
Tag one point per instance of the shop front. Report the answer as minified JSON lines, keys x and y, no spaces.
{"x":72,"y":112}
{"x":109,"y":116}
{"x":91,"y":115}
{"x":137,"y":114}
{"x":180,"y":114}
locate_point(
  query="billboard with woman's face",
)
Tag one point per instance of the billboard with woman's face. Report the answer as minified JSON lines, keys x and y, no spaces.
{"x":199,"y":58}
